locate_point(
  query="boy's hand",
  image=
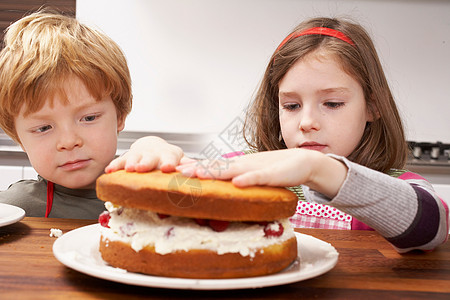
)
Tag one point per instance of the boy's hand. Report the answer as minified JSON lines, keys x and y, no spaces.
{"x":146,"y":154}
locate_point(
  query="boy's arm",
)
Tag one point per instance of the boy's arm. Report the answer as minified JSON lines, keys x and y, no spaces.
{"x":146,"y":154}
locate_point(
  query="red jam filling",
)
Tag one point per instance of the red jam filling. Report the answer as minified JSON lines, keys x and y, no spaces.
{"x":217,"y":225}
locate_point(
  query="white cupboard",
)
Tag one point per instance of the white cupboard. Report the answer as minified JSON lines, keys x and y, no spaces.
{"x":11,"y":174}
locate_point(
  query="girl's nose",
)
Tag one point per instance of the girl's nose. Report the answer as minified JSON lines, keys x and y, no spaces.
{"x":309,"y":120}
{"x":68,"y":140}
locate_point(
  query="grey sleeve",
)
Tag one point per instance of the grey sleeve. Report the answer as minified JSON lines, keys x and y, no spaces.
{"x":387,"y":204}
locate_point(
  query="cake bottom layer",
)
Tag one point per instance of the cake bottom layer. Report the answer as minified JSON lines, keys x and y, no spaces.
{"x":201,"y":264}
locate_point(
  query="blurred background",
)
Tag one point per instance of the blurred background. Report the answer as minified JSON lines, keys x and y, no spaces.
{"x":196,"y":64}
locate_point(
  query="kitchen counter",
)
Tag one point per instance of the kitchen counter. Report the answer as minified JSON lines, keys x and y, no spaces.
{"x":367,"y":267}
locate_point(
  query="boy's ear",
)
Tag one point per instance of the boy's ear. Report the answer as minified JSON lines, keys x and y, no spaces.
{"x":20,"y":144}
{"x":120,"y":124}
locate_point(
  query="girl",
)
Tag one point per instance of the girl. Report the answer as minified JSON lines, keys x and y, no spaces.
{"x":325,"y":123}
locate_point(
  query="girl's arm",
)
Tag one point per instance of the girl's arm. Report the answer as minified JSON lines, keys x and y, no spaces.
{"x":405,"y":210}
{"x":406,"y":213}
{"x":289,"y":167}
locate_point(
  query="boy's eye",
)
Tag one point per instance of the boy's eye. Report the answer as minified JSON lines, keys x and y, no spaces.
{"x":90,"y":118}
{"x":43,"y":128}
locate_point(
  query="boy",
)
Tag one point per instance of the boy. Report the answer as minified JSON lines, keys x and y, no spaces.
{"x":64,"y":97}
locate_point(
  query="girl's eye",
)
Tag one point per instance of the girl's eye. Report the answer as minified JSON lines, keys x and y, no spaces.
{"x":334,"y":105}
{"x":43,"y":129}
{"x":291,"y":107}
{"x":90,"y":118}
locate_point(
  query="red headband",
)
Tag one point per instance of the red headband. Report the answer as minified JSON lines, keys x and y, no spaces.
{"x":320,"y":31}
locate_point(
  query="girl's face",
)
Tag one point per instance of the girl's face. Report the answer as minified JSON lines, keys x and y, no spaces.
{"x":321,"y":107}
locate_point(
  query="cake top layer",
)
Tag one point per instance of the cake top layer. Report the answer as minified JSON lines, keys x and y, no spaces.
{"x":175,"y":194}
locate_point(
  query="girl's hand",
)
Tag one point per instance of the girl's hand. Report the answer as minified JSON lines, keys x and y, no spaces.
{"x":289,"y":167}
{"x":146,"y":154}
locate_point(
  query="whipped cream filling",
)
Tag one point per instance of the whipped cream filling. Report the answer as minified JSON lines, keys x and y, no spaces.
{"x":142,"y":228}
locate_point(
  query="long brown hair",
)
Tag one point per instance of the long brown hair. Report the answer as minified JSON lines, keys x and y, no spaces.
{"x":383,"y":145}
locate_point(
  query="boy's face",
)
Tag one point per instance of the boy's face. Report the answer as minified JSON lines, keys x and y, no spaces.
{"x":71,"y":144}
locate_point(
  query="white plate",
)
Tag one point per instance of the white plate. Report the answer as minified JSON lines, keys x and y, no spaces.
{"x":10,"y":214}
{"x":78,"y":249}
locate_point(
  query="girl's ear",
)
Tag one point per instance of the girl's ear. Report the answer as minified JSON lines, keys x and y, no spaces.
{"x":372,"y":115}
{"x":372,"y":111}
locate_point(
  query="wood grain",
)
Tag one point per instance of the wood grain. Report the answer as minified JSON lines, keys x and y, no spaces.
{"x":368,"y":268}
{"x":13,"y":10}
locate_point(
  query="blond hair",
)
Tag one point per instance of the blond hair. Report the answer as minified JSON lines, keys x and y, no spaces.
{"x":45,"y":48}
{"x":383,"y":145}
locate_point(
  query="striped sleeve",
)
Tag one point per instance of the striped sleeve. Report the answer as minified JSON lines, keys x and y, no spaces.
{"x":430,"y":226}
{"x":405,"y":210}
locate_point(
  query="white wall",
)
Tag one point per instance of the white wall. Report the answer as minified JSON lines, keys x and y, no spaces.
{"x":11,"y":174}
{"x":196,"y":63}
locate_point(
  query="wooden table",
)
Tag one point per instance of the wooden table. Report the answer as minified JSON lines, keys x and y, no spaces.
{"x":368,"y":268}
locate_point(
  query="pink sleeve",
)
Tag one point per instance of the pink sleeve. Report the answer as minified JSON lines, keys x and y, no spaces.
{"x":358,"y":225}
{"x":233,"y":154}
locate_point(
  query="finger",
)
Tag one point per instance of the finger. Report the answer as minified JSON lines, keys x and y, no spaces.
{"x":188,"y":171}
{"x":146,"y":164}
{"x":167,"y":168}
{"x":252,"y":178}
{"x":187,"y":160}
{"x":131,"y":162}
{"x":115,"y":165}
{"x":188,"y":165}
{"x":169,"y":161}
{"x":215,"y":170}
{"x":180,"y":168}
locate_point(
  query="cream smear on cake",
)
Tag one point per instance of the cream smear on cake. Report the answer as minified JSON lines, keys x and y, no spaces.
{"x":143,"y":228}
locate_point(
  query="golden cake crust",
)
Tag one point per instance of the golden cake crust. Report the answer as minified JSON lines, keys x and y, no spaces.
{"x":175,"y":194}
{"x":199,"y":263}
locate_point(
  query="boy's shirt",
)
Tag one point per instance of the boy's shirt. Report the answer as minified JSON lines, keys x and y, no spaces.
{"x":31,"y":196}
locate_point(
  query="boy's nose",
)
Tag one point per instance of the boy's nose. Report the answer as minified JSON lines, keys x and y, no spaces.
{"x":69,"y":140}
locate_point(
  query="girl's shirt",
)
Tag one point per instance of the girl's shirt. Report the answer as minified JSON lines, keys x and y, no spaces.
{"x":402,"y":206}
{"x":31,"y":196}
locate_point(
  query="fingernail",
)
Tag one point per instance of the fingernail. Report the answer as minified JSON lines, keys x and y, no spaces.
{"x":188,"y":172}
